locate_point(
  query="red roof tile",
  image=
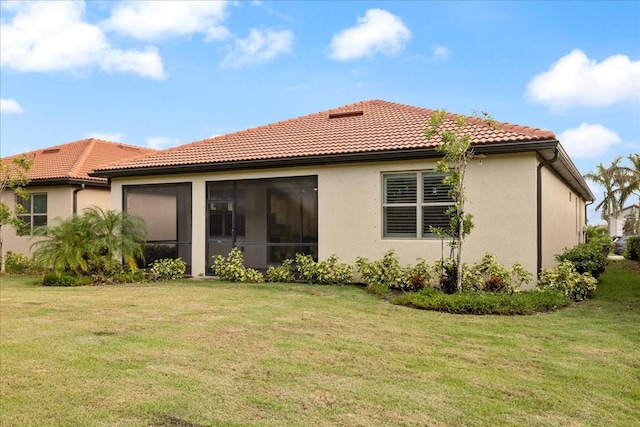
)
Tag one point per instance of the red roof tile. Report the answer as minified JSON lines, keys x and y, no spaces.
{"x":75,"y":160}
{"x":363,"y":127}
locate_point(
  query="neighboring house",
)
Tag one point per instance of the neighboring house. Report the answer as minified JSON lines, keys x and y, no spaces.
{"x":617,"y":223}
{"x":354,"y":181}
{"x":59,"y":185}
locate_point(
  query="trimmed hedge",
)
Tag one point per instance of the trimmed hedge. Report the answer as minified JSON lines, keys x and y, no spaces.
{"x":633,"y":248}
{"x":530,"y":302}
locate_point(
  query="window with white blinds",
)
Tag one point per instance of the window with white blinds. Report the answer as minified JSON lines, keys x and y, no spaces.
{"x":413,"y":202}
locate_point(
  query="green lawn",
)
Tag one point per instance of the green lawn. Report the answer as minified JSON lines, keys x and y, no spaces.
{"x":196,"y":353}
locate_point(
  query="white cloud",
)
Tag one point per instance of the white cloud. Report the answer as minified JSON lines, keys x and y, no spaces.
{"x":161,"y":142}
{"x":52,"y":36}
{"x":377,"y":32}
{"x":576,"y":80}
{"x":440,"y":52}
{"x":10,"y":106}
{"x":259,"y":46}
{"x":587,"y":141}
{"x":146,"y":63}
{"x":106,"y":136}
{"x":152,"y":20}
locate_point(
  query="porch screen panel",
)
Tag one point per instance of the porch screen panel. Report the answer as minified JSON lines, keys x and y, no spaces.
{"x":166,"y":212}
{"x":273,"y":219}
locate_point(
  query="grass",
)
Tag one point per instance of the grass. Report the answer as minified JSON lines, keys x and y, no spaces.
{"x":196,"y":353}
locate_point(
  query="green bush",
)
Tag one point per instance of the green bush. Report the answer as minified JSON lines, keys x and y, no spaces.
{"x":448,"y":280}
{"x":565,"y":278}
{"x":484,"y":302}
{"x":491,"y":276}
{"x":130,"y":276}
{"x":388,"y":271}
{"x":167,"y":269}
{"x":380,"y":289}
{"x":633,"y":248}
{"x":232,"y":268}
{"x":328,"y":272}
{"x":17,"y":263}
{"x":282,"y":273}
{"x":52,"y":279}
{"x":117,"y":277}
{"x":586,"y":257}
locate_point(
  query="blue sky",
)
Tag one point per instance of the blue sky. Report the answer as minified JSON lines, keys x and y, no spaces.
{"x":161,"y":74}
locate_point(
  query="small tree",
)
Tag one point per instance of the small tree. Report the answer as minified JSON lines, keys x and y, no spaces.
{"x":611,"y":179}
{"x":13,"y":175}
{"x":457,"y":152}
{"x":94,"y":242}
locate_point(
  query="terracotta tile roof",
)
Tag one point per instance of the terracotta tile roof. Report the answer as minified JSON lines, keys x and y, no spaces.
{"x":75,"y":160}
{"x":363,"y":127}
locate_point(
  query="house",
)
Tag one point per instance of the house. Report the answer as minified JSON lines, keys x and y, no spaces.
{"x":357,"y":180}
{"x":59,"y":184}
{"x":617,"y":223}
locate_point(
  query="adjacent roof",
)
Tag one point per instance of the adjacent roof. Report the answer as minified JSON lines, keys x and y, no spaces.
{"x":72,"y":161}
{"x":364,"y":127}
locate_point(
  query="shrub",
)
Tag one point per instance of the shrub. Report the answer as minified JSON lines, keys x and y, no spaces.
{"x":565,"y":279}
{"x":17,"y":263}
{"x":328,"y":272}
{"x":167,"y":269}
{"x":380,"y":289}
{"x":388,"y":271}
{"x":491,"y":276}
{"x":421,"y":275}
{"x":232,"y":268}
{"x":448,"y":281}
{"x":129,"y":276}
{"x":633,"y":248}
{"x":586,"y":257}
{"x":281,"y":273}
{"x":52,"y":279}
{"x":484,"y":302}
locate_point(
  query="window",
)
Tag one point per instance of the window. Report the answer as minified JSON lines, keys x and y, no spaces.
{"x":413,"y":202}
{"x":34,"y":212}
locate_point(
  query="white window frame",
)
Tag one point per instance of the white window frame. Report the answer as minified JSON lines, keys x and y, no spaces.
{"x":422,"y":232}
{"x":29,"y":215}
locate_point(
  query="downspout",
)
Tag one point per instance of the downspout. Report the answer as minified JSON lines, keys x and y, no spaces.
{"x":586,"y":219}
{"x":75,"y":198}
{"x":539,"y":206}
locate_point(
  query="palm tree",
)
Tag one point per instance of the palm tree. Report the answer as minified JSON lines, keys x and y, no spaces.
{"x":630,"y":178}
{"x":630,"y":181}
{"x":94,"y":242}
{"x":118,"y":236}
{"x":64,"y":246}
{"x":611,"y":179}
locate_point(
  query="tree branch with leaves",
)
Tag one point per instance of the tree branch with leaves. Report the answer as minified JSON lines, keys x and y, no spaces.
{"x":13,"y":176}
{"x":457,"y":153}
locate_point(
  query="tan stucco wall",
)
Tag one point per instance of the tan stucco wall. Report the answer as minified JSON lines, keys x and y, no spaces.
{"x":59,"y":204}
{"x":502,"y":198}
{"x":100,"y":197}
{"x":562,"y":217}
{"x":501,"y":193}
